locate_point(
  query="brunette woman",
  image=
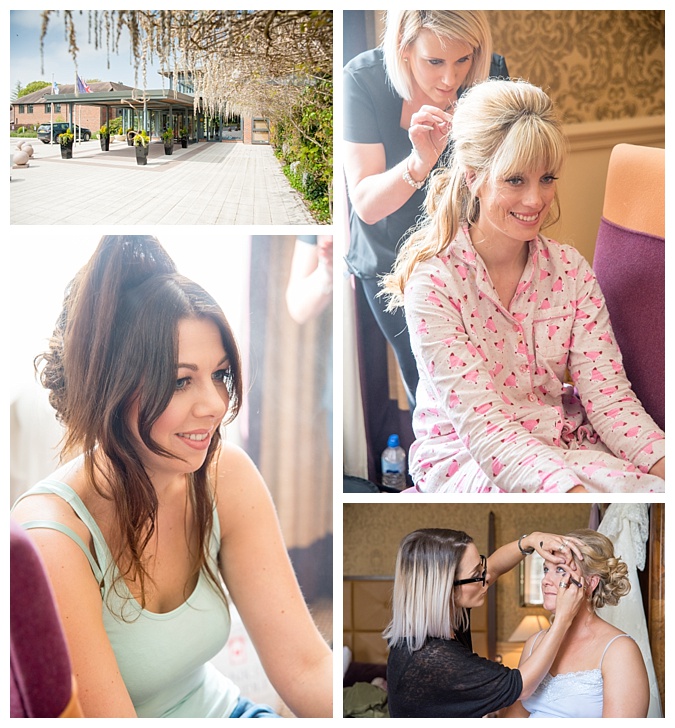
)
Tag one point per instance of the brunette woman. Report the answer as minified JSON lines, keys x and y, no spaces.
{"x":157,"y":522}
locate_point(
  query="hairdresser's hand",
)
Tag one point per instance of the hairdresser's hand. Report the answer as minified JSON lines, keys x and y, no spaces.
{"x":324,"y":249}
{"x":659,"y":468}
{"x":554,"y":548}
{"x":428,"y":132}
{"x":570,"y":596}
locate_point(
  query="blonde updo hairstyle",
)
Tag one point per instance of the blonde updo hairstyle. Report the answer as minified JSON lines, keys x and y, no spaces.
{"x":599,"y":560}
{"x":500,"y":129}
{"x":404,"y":26}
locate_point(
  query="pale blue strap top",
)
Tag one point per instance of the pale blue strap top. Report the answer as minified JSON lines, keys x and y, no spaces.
{"x":163,"y":658}
{"x":569,"y":694}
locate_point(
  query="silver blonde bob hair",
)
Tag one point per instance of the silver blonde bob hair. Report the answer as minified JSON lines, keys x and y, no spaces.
{"x":403,"y":27}
{"x":499,"y":129}
{"x":423,"y":602}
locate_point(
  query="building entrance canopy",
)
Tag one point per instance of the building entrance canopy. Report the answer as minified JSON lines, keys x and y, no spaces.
{"x":151,"y":99}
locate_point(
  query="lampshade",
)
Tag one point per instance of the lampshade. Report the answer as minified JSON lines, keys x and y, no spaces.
{"x":528,"y":626}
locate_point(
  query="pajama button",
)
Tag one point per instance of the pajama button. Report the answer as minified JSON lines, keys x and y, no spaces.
{"x":531,"y":397}
{"x":523,"y":368}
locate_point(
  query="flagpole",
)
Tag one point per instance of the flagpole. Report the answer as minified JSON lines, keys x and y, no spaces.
{"x":51,"y":114}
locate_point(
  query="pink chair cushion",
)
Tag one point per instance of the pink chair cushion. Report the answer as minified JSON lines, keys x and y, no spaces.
{"x":630,"y":267}
{"x":40,"y":670}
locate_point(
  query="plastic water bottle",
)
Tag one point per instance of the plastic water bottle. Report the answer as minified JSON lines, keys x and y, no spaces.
{"x":393,"y":464}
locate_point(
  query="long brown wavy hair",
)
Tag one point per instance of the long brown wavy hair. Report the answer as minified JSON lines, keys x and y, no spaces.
{"x":115,"y":343}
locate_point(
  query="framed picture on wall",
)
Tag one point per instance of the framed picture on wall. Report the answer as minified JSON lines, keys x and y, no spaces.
{"x":531,"y":574}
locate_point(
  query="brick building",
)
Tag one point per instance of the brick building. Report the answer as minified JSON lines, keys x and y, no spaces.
{"x":153,"y":110}
{"x":32,"y":110}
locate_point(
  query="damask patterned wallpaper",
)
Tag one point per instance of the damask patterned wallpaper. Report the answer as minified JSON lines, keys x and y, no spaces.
{"x":595,"y":64}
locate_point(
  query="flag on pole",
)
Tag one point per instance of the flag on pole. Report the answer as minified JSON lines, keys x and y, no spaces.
{"x":81,"y":86}
{"x":55,"y":88}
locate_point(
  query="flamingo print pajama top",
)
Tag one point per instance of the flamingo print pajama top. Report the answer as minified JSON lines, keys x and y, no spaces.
{"x":494,"y":410}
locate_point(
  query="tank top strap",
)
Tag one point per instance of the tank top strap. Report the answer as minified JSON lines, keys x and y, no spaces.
{"x":607,"y":646}
{"x":55,"y":487}
{"x":535,"y":640}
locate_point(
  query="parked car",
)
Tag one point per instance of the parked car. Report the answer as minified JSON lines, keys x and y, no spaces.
{"x":44,"y":131}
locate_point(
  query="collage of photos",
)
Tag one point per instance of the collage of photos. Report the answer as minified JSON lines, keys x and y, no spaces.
{"x":338,"y":342}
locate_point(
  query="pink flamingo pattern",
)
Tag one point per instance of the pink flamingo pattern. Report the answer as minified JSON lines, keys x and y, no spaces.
{"x":525,"y":397}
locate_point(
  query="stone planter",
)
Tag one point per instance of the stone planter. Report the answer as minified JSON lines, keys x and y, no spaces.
{"x":184,"y":143}
{"x":105,"y":143}
{"x":168,"y":148}
{"x":66,"y":151}
{"x":142,"y":154}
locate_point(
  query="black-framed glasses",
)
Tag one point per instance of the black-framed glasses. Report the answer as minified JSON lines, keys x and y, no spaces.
{"x":475,"y":579}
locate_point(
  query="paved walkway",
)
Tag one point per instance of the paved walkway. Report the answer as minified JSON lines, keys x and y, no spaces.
{"x":205,"y":184}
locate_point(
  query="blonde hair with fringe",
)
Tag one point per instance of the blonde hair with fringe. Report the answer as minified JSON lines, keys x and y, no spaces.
{"x":404,"y":26}
{"x":500,"y":128}
{"x":423,"y":603}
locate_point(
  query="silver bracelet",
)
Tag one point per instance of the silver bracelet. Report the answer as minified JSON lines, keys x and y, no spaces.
{"x":409,"y":179}
{"x":525,"y":552}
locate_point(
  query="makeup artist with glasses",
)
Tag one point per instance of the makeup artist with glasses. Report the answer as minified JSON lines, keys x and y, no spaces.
{"x":432,"y":671}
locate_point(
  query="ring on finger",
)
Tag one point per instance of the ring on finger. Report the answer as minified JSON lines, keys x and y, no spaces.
{"x":563,"y":584}
{"x":561,"y":547}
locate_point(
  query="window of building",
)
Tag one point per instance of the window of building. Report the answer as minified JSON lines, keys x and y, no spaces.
{"x":57,"y":108}
{"x":30,"y":108}
{"x":48,"y":108}
{"x":22,"y":109}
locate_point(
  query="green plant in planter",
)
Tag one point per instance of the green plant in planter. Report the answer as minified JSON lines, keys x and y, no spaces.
{"x":167,"y":136}
{"x":66,"y":138}
{"x":141,"y":139}
{"x":104,"y":131}
{"x":183,"y":133}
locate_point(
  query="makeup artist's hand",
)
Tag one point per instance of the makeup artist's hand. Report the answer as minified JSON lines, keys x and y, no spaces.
{"x":554,"y":548}
{"x":570,"y":595}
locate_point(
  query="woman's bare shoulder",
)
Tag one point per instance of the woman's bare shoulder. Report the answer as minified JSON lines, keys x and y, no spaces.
{"x":51,"y":507}
{"x":238,"y":485}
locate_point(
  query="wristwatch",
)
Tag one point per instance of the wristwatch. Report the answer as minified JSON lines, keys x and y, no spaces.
{"x":410,"y":180}
{"x":525,"y":552}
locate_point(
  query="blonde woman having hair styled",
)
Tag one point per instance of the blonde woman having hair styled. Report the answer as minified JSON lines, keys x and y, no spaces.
{"x":500,"y":317}
{"x":432,"y":671}
{"x":398,"y":105}
{"x":595,"y":674}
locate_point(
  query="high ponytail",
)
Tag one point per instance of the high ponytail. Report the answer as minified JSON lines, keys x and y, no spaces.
{"x":499,"y":128}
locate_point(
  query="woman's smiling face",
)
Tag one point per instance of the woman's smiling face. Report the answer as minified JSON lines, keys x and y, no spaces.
{"x":514,"y":209}
{"x":198,"y":406}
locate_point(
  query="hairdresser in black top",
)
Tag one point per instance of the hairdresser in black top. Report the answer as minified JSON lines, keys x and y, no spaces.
{"x":398,"y":104}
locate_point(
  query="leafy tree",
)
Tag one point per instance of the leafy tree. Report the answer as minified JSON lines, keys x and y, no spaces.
{"x":272,"y":63}
{"x":32,"y":86}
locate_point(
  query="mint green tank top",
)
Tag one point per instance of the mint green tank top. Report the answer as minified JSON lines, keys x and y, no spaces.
{"x":163,"y":658}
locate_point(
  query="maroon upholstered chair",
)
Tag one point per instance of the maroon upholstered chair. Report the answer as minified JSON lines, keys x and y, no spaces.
{"x":41,"y":682}
{"x":629,"y":263}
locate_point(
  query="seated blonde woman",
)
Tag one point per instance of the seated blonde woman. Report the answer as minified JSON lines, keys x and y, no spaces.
{"x":598,"y":672}
{"x":501,"y":317}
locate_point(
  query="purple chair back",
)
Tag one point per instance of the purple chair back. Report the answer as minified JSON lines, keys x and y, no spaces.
{"x":629,"y":262}
{"x":40,"y":669}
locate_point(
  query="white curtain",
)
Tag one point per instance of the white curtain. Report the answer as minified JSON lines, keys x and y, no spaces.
{"x":627,"y":526}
